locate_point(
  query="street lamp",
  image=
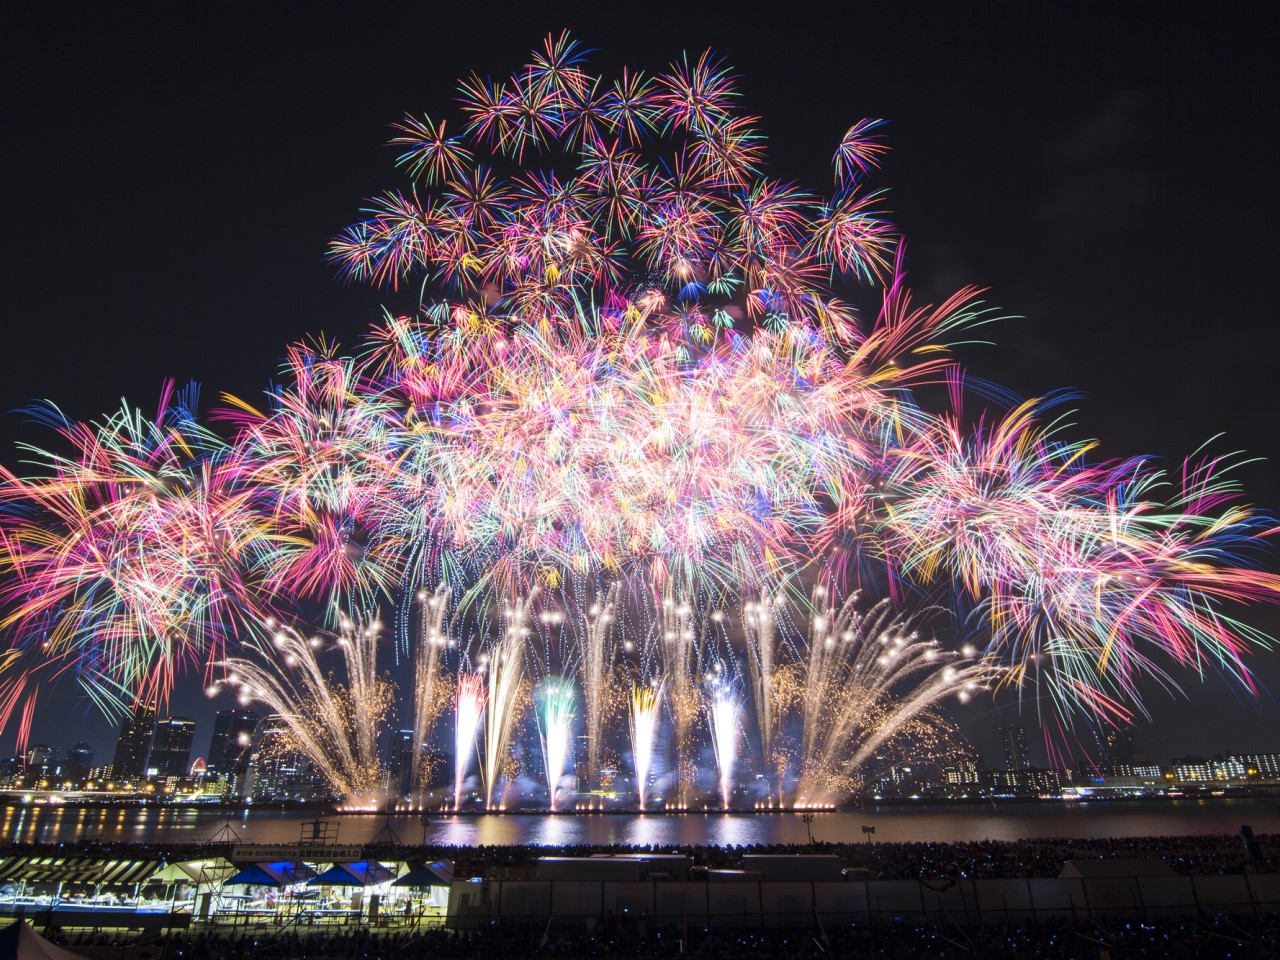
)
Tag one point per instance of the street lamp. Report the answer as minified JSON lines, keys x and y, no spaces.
{"x":808,"y":826}
{"x":869,"y":831}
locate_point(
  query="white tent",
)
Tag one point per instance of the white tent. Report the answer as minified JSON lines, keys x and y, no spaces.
{"x":19,"y":942}
{"x":194,"y":872}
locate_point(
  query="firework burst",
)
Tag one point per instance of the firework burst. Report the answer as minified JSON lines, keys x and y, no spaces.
{"x":336,"y":724}
{"x":636,"y":370}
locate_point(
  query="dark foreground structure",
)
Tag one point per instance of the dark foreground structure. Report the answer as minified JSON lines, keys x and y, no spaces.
{"x":1256,"y":937}
{"x":1209,"y":896}
{"x":797,"y":891}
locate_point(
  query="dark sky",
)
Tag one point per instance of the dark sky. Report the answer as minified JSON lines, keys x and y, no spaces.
{"x":172,"y":173}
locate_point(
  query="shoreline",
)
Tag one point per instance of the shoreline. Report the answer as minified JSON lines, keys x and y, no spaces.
{"x":897,"y":803}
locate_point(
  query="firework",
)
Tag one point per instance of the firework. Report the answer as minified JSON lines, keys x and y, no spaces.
{"x":125,"y":560}
{"x":556,"y":710}
{"x":504,"y":668}
{"x":1083,"y":575}
{"x":336,"y":726}
{"x":866,"y":679}
{"x":763,"y":643}
{"x":722,"y":717}
{"x":468,"y":718}
{"x":681,"y":658}
{"x":635,"y":371}
{"x":645,"y":703}
{"x":430,"y":683}
{"x":314,"y":464}
{"x":596,"y":660}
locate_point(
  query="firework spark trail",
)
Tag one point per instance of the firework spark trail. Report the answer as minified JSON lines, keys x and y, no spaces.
{"x":596,"y":660}
{"x":646,"y":704}
{"x":468,"y":717}
{"x":552,"y":464}
{"x":640,"y":433}
{"x":723,"y":712}
{"x":556,"y":710}
{"x":336,"y":726}
{"x":316,"y":463}
{"x":504,"y":669}
{"x":823,"y":415}
{"x":681,"y":658}
{"x":763,"y":642}
{"x":1077,"y":563}
{"x":430,"y":683}
{"x":864,"y":680}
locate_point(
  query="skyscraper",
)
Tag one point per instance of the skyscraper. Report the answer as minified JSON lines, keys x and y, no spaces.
{"x":1014,"y":740}
{"x":400,"y":767}
{"x":229,"y":745}
{"x":79,"y":758}
{"x":277,"y":771}
{"x":134,"y":744}
{"x":171,"y":747}
{"x":1115,"y":751}
{"x":40,"y":759}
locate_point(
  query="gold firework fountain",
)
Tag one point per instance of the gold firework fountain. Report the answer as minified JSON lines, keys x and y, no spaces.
{"x":335,"y":725}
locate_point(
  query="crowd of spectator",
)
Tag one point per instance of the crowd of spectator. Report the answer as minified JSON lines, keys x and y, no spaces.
{"x":1208,"y":854}
{"x":1253,"y":937}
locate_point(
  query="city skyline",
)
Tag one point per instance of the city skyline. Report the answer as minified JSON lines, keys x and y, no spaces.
{"x":251,"y":756}
{"x":1127,"y":118}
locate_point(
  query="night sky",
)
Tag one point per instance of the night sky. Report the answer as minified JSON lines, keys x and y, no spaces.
{"x":172,"y":174}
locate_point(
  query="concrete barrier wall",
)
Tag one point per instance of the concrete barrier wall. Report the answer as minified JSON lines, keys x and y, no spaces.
{"x":998,"y":899}
{"x":1227,"y":894}
{"x":1266,"y":887}
{"x":679,"y":903}
{"x":842,"y":902}
{"x":1053,"y":896}
{"x":734,"y":904}
{"x":771,"y":903}
{"x":521,"y":898}
{"x":1167,"y":896}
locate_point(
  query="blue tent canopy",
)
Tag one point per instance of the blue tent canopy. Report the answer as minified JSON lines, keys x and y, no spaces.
{"x":279,"y":874}
{"x":436,"y":874}
{"x":365,"y":873}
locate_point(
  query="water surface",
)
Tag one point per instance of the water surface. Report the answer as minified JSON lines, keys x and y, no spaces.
{"x":892,"y":822}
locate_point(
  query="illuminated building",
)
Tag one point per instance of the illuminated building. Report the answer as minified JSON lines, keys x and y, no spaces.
{"x":171,"y":747}
{"x":229,"y":746}
{"x":1013,"y":738}
{"x":134,"y":744}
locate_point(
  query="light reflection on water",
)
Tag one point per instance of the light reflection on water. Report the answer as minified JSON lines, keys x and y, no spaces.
{"x":647,"y":830}
{"x":892,"y":822}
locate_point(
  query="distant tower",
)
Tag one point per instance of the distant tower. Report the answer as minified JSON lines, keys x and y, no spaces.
{"x":400,"y":769}
{"x":134,"y":744}
{"x":40,"y":759}
{"x":229,"y":745}
{"x":1014,"y":740}
{"x":79,"y":758}
{"x":277,"y":771}
{"x":171,"y":747}
{"x":1115,"y":751}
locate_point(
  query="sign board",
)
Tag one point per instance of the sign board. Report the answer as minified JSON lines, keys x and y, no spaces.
{"x":315,"y":852}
